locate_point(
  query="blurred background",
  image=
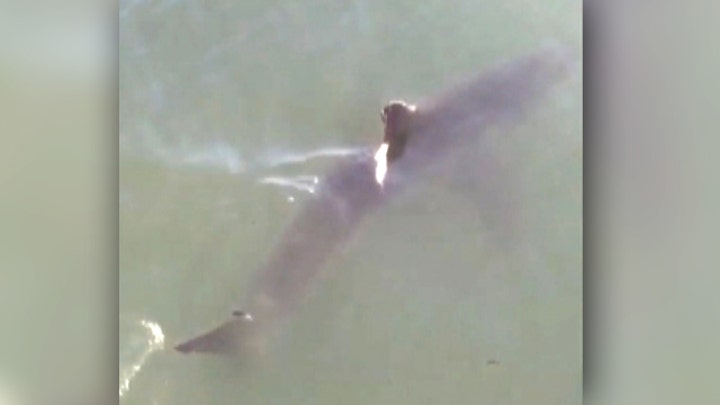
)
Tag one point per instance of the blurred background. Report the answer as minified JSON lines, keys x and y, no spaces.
{"x":58,"y":176}
{"x":230,"y":110}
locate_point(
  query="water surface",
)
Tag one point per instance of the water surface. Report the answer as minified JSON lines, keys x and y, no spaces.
{"x":231,"y":111}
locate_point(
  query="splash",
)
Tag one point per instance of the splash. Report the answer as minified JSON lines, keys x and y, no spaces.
{"x":153,"y":340}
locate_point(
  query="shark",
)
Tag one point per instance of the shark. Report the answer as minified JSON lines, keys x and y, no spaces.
{"x":417,"y":137}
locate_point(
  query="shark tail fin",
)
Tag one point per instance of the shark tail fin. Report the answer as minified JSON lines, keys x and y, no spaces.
{"x":232,"y":337}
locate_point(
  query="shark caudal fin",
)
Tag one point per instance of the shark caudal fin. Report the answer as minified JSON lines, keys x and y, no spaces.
{"x":238,"y":335}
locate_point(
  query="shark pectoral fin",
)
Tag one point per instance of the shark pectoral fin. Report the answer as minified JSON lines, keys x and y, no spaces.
{"x":229,"y":338}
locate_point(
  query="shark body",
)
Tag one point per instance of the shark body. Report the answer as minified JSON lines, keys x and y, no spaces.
{"x":435,"y":129}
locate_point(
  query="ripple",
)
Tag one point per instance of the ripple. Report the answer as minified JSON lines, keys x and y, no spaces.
{"x":301,"y":183}
{"x":290,"y":158}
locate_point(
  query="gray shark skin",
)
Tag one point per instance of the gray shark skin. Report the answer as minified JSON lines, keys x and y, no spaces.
{"x":349,"y":192}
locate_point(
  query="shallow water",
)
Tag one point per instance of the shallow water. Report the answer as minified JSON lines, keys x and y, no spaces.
{"x":229,"y":112}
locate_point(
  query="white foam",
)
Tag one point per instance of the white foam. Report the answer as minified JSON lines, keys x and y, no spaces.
{"x":153,"y":341}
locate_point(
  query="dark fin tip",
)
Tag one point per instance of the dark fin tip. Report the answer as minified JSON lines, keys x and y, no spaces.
{"x":185,"y":347}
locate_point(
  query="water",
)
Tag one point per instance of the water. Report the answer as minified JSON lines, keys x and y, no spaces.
{"x":230,"y":111}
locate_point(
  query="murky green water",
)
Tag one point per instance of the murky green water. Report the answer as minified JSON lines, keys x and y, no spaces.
{"x":217,"y":99}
